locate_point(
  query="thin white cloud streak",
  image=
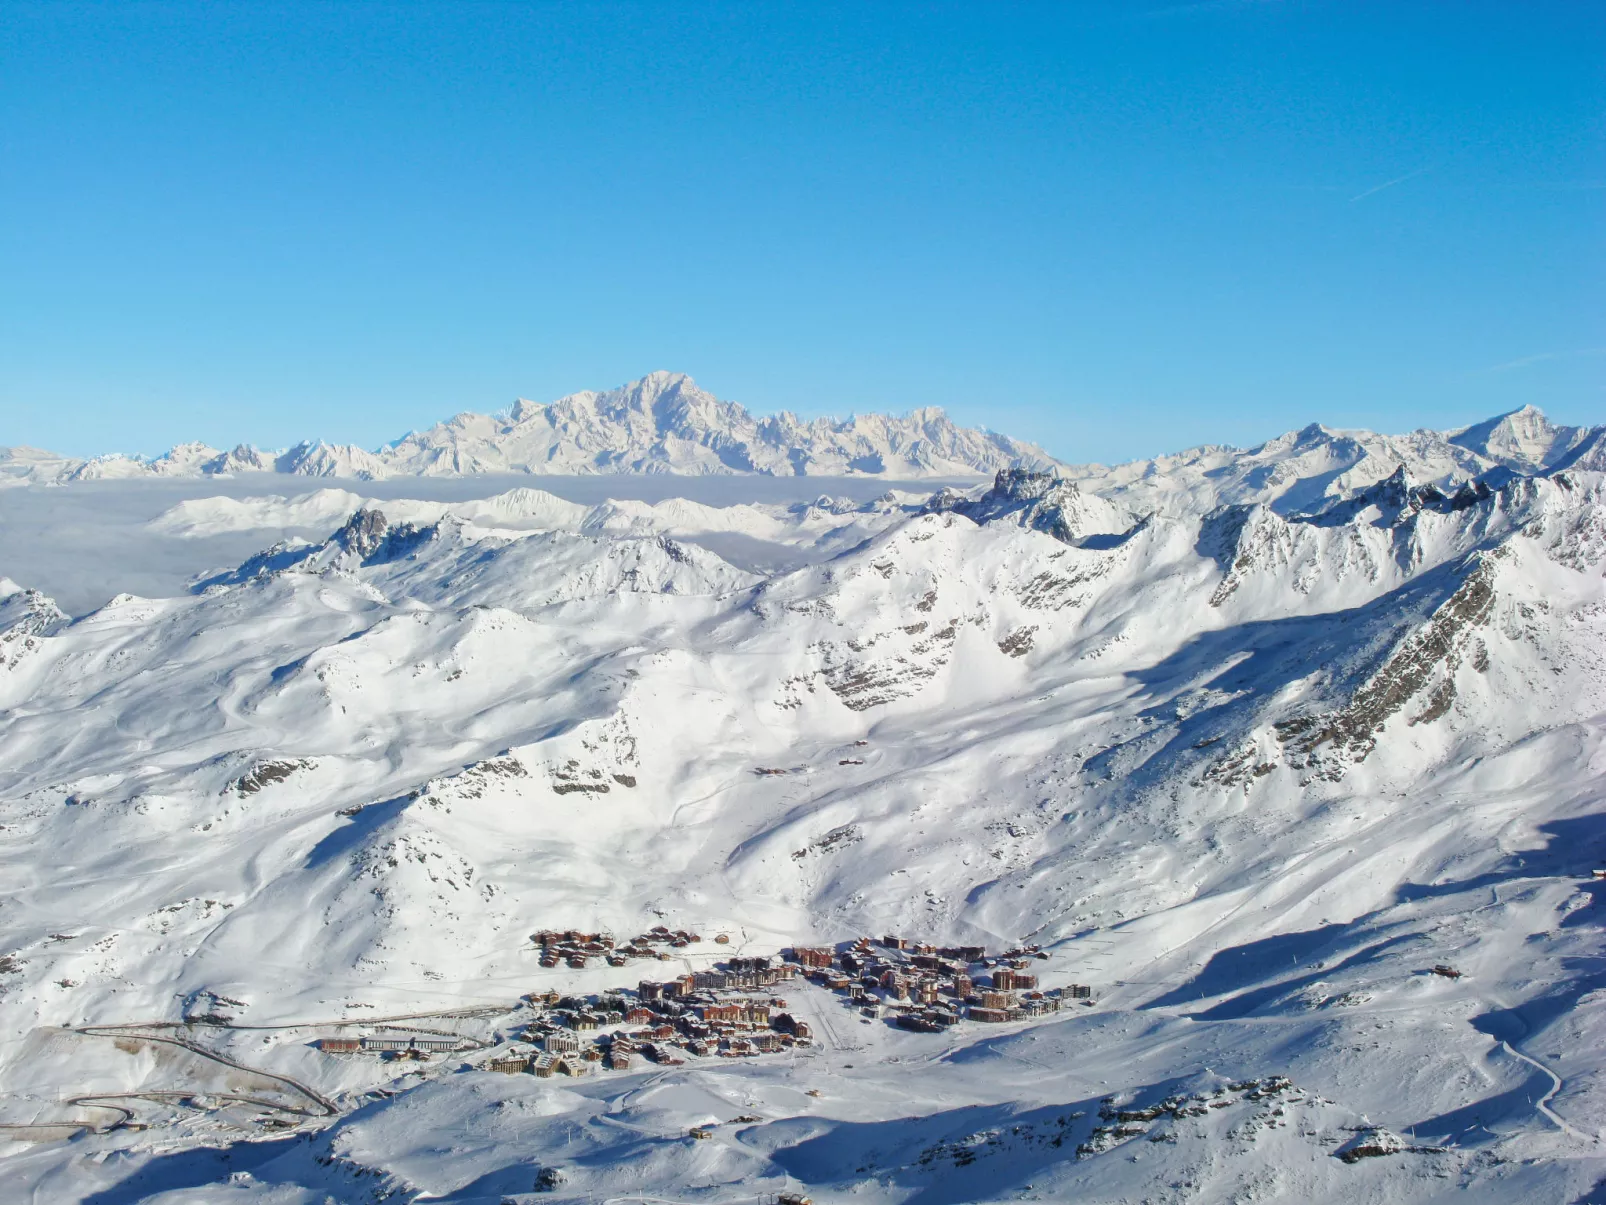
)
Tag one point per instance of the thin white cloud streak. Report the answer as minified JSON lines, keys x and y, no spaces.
{"x":1390,"y":183}
{"x":1202,"y":6}
{"x":1543,"y":357}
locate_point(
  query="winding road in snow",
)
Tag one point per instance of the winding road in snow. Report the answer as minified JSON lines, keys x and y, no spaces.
{"x":1543,"y":1103}
{"x":326,"y":1107}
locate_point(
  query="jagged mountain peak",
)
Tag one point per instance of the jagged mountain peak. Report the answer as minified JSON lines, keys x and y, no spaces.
{"x":1397,"y":497}
{"x":662,"y":423}
{"x":666,"y":423}
{"x":26,"y":618}
{"x":639,"y":397}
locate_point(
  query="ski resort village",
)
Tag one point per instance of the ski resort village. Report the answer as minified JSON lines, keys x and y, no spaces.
{"x":729,"y":1010}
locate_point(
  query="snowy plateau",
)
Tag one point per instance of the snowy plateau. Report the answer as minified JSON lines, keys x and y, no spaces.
{"x":1225,"y":827}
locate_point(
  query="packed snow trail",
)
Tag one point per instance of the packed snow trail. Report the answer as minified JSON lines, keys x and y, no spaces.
{"x":1543,"y":1103}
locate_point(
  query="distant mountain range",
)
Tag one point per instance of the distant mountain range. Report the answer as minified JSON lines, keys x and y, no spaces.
{"x":662,"y":423}
{"x":665,"y":424}
{"x":1309,"y":468}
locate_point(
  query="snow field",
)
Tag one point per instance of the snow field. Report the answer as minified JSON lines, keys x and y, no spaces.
{"x":1252,"y":774}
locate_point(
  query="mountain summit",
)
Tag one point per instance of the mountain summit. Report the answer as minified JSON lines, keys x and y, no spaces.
{"x":664,"y":423}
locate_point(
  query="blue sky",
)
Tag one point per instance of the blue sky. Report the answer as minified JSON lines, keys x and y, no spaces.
{"x":1116,"y":229}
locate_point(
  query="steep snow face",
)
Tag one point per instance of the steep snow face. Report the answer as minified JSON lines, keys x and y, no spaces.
{"x":1524,"y":440}
{"x":1251,"y":772}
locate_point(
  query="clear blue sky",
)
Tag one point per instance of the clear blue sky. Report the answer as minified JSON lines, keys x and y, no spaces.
{"x":1116,"y":229}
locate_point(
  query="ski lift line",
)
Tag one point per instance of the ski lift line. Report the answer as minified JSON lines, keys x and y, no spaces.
{"x":380,"y":1022}
{"x":74,"y":1127}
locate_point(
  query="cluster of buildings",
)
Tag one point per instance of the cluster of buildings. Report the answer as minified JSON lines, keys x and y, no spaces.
{"x":572,"y":948}
{"x":725,"y":1011}
{"x":395,"y":1045}
{"x":927,"y":988}
{"x":732,"y":1010}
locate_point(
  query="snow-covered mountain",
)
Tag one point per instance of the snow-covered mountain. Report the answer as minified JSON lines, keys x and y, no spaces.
{"x":1314,"y":465}
{"x":1249,"y":742}
{"x":662,"y":423}
{"x":665,"y":424}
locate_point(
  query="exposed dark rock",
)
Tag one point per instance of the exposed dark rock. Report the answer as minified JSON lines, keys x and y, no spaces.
{"x":1019,"y":642}
{"x":1039,"y":501}
{"x":1434,"y":649}
{"x":265,"y":774}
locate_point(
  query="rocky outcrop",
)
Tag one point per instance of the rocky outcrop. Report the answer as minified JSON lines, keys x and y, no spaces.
{"x":27,"y":617}
{"x":1422,"y":667}
{"x":1039,"y":500}
{"x":372,"y":539}
{"x":266,"y":774}
{"x":1397,"y":499}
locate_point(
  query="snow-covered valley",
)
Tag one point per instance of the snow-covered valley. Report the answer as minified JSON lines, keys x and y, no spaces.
{"x":1249,"y":742}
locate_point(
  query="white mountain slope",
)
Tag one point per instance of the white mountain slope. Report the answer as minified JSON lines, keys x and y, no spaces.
{"x":1252,"y":773}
